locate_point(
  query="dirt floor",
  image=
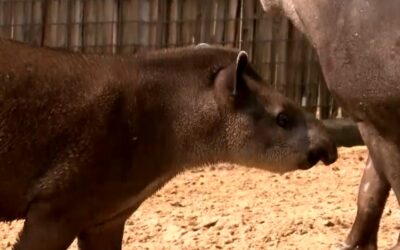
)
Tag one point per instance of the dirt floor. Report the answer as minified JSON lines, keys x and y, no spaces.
{"x":231,"y":207}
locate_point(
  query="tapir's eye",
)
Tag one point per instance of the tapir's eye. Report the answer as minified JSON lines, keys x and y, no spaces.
{"x":282,"y":120}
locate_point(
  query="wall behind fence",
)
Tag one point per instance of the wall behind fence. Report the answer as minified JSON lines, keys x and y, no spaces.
{"x":279,"y":52}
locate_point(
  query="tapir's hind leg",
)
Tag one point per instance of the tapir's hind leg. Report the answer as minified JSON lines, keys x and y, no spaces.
{"x":372,"y":196}
{"x":44,"y":230}
{"x":385,"y":155}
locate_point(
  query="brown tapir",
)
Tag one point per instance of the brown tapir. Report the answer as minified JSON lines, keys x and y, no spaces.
{"x":358,"y":43}
{"x":85,"y":139}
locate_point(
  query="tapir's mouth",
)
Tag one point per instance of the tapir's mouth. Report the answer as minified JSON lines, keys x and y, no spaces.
{"x":313,"y":157}
{"x":305,"y":166}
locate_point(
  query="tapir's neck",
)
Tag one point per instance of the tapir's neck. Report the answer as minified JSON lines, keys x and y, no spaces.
{"x":169,"y":106}
{"x":318,"y":20}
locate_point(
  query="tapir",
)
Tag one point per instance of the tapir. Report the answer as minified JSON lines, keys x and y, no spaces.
{"x":358,"y":44}
{"x":85,"y":139}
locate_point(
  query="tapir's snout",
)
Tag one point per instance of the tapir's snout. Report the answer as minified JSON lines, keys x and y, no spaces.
{"x":326,"y":153}
{"x":322,"y":147}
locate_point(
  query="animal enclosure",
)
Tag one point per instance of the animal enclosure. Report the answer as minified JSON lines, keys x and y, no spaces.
{"x":279,"y":51}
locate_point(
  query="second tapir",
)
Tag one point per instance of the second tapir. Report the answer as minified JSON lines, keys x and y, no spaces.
{"x":84,"y":140}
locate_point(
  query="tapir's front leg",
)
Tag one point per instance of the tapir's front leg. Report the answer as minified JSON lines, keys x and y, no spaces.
{"x":45,"y":229}
{"x":372,"y":196}
{"x":106,"y":236}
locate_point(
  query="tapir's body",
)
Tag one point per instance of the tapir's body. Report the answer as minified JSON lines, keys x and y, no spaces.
{"x":358,"y":43}
{"x":84,"y":139}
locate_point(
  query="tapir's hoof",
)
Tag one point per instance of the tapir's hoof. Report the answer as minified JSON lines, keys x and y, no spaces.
{"x":345,"y":246}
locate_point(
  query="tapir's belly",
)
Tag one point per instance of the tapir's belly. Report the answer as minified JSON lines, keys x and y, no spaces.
{"x":368,"y":95}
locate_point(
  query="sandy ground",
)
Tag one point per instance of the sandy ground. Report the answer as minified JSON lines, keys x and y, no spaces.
{"x":231,"y":207}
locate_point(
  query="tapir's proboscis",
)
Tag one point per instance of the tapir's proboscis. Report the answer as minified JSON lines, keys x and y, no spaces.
{"x":85,"y":139}
{"x":358,"y":44}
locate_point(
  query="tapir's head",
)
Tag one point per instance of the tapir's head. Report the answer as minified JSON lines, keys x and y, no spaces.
{"x":263,"y":128}
{"x":223,"y":111}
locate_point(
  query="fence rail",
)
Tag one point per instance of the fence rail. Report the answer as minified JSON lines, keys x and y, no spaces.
{"x":279,"y":51}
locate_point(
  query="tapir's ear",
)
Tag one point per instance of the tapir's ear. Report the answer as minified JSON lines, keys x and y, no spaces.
{"x":202,"y":45}
{"x":230,"y":86}
{"x":241,"y":63}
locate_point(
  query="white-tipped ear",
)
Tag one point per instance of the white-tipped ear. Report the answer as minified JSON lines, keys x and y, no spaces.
{"x":242,"y":60}
{"x":203,"y":45}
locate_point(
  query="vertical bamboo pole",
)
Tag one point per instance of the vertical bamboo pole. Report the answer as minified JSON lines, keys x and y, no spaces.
{"x":106,"y":29}
{"x":144,"y":14}
{"x":311,"y":80}
{"x":188,"y":22}
{"x":37,"y":22}
{"x":207,"y":10}
{"x":130,"y":37}
{"x":27,"y":23}
{"x":75,"y":25}
{"x":294,"y":75}
{"x":153,"y":17}
{"x":51,"y":16}
{"x":89,"y":28}
{"x":5,"y":19}
{"x":263,"y":46}
{"x":62,"y":20}
{"x":173,"y":25}
{"x":280,"y":36}
{"x":219,"y":23}
{"x":248,"y":26}
{"x":18,"y":20}
{"x":231,"y":23}
{"x":161,"y":25}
